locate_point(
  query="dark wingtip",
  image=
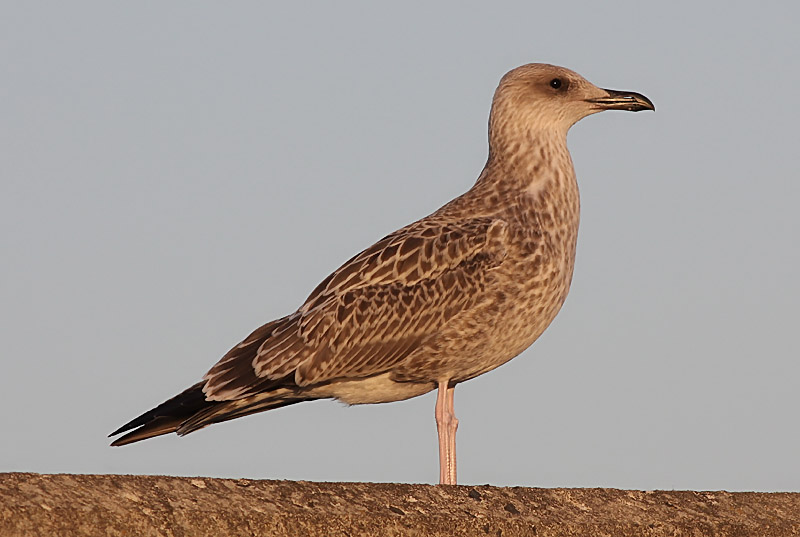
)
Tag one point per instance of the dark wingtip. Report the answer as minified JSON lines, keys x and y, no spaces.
{"x":128,"y":426}
{"x":178,"y":408}
{"x":138,"y":421}
{"x":157,"y":427}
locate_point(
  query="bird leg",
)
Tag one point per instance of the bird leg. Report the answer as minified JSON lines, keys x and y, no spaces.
{"x":446,"y":425}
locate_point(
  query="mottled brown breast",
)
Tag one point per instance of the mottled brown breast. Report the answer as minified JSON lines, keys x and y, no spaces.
{"x":521,"y":296}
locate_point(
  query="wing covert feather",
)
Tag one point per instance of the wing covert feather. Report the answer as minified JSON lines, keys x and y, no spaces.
{"x":373,"y":311}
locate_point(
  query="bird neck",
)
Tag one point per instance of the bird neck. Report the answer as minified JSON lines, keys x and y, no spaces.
{"x":530,"y":162}
{"x":529,"y":181}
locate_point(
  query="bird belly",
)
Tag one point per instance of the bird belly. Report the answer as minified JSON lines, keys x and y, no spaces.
{"x":376,"y":389}
{"x":509,"y":318}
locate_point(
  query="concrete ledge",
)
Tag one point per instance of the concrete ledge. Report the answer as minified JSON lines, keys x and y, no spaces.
{"x":143,"y":506}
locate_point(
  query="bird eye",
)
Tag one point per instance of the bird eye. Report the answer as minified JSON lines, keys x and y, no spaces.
{"x":555,"y":83}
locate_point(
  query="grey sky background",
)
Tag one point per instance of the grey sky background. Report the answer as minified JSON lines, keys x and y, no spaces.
{"x":175,"y":174}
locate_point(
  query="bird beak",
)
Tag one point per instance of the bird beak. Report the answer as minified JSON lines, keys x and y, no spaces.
{"x":623,"y":100}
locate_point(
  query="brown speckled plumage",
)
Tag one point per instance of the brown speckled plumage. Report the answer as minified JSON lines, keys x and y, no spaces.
{"x":442,"y":300}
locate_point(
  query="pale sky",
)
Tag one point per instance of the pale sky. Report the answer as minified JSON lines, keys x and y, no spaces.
{"x":173,"y":175}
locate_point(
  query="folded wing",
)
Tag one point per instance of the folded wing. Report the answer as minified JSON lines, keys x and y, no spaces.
{"x":371,"y":313}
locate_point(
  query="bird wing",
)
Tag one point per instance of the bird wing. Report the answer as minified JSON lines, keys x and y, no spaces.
{"x":371,"y":312}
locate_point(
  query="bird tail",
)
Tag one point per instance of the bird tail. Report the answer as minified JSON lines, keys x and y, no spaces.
{"x":189,"y":411}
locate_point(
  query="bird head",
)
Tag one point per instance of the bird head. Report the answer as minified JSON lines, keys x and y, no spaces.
{"x":541,"y":97}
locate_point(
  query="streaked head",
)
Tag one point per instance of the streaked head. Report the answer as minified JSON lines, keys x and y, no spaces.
{"x":539,"y":96}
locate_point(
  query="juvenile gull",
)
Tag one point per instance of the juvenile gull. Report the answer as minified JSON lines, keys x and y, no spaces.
{"x":438,"y":302}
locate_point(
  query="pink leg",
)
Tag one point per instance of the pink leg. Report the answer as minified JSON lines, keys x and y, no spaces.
{"x":446,"y":425}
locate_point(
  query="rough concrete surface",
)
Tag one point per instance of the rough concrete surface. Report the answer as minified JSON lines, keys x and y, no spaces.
{"x":128,"y":505}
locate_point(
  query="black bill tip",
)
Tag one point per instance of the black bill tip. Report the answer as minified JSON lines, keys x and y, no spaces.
{"x":623,"y":100}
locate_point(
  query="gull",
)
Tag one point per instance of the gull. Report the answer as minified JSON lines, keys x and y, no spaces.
{"x":439,"y":301}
